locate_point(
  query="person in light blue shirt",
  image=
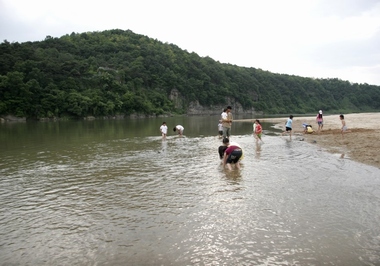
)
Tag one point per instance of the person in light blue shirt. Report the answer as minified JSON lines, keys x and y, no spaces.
{"x":288,"y":126}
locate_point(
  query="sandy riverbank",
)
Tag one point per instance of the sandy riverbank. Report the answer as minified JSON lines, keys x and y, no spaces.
{"x":362,"y":144}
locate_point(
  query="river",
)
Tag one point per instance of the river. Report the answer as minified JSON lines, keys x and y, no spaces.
{"x":112,"y":192}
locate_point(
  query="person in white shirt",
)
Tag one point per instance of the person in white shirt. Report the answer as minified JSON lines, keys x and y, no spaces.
{"x":227,"y":122}
{"x":220,"y":129}
{"x":164,"y":130}
{"x":179,"y":129}
{"x":223,"y":115}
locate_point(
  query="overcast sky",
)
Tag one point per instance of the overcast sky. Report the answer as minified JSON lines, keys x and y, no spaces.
{"x":310,"y":38}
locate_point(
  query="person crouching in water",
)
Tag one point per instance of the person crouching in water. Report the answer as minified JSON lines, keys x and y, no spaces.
{"x":179,"y":129}
{"x":232,"y":154}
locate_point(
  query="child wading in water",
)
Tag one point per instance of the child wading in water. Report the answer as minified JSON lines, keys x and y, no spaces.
{"x":258,"y":130}
{"x":220,"y":129}
{"x":288,"y":126}
{"x":164,"y":130}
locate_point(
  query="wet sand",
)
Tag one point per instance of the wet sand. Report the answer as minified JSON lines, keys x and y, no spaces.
{"x":362,"y":144}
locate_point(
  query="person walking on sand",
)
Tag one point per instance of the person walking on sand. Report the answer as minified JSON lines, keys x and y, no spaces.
{"x":179,"y":129}
{"x":164,"y":130}
{"x":344,"y":128}
{"x":258,"y":131}
{"x":288,"y":126}
{"x":227,"y":122}
{"x":319,"y":120}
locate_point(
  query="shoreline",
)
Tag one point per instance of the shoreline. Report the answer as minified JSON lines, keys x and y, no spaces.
{"x":362,"y":144}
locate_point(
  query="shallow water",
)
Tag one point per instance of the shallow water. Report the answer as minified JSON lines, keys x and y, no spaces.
{"x":114,"y":193}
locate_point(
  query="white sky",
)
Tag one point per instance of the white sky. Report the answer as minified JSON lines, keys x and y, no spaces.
{"x":309,"y":38}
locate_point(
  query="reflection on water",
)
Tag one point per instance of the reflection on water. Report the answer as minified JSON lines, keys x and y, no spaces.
{"x":258,"y":150}
{"x":105,"y":198}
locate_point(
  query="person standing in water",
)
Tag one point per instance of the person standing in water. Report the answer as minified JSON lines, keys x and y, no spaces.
{"x":220,"y":129}
{"x":258,"y":131}
{"x":227,"y":122}
{"x":164,"y":130}
{"x":288,"y":126}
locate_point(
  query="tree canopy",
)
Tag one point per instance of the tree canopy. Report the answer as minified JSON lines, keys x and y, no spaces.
{"x":118,"y":72}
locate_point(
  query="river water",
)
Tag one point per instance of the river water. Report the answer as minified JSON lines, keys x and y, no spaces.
{"x":113,"y":193}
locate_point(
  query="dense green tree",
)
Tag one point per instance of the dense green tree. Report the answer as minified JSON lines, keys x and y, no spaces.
{"x":119,"y":72}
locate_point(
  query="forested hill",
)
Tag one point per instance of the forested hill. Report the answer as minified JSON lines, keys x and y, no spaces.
{"x":118,"y":72}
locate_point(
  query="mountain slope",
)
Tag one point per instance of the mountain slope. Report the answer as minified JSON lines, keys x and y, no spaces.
{"x":118,"y":72}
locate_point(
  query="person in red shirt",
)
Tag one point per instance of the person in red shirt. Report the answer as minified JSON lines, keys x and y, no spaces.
{"x":232,"y":154}
{"x":258,"y":130}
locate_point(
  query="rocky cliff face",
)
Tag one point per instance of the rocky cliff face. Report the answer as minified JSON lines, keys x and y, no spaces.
{"x":192,"y":108}
{"x":195,"y":108}
{"x":12,"y":118}
{"x":177,"y":99}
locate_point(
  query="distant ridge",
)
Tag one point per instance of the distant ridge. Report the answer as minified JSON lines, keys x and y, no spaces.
{"x":120,"y":73}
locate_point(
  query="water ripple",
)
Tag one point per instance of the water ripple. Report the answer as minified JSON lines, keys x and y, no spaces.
{"x":151,"y":202}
